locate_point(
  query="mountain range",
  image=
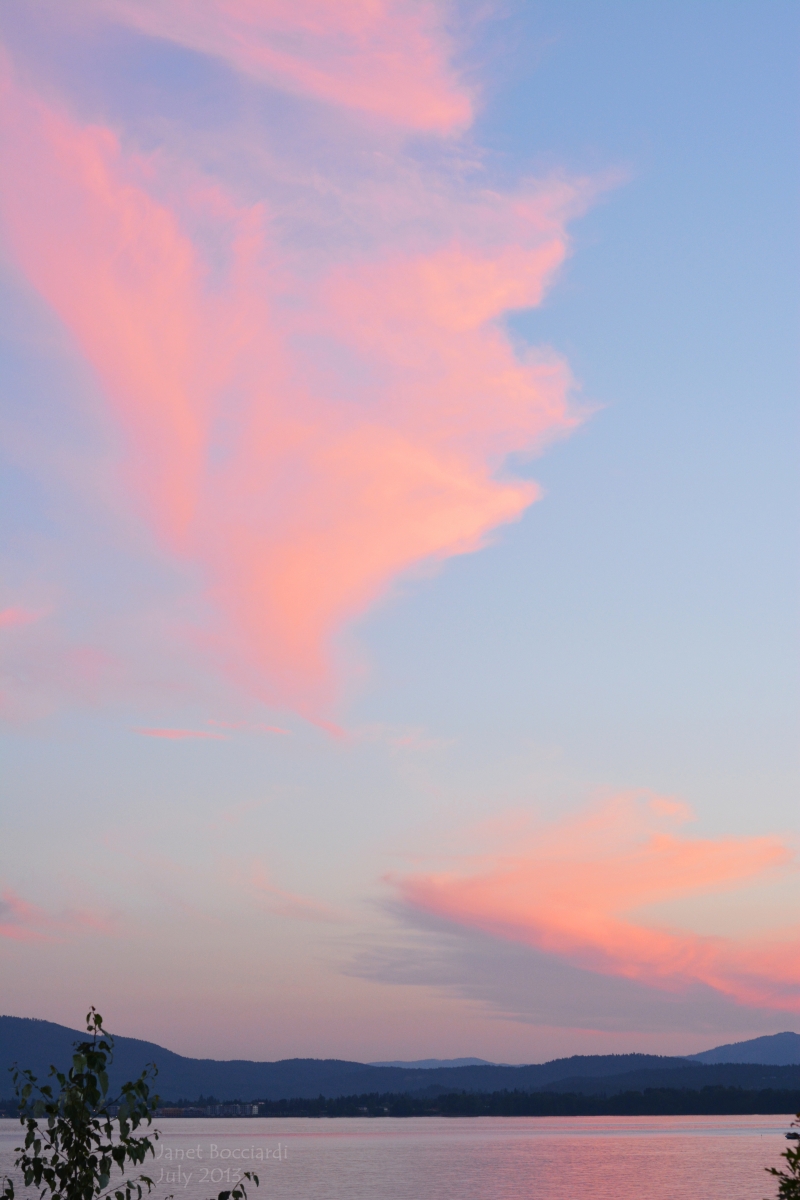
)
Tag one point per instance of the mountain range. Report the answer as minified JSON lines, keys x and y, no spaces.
{"x":765,"y":1062}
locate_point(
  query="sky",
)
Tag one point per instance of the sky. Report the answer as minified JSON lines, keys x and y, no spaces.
{"x":398,"y":563}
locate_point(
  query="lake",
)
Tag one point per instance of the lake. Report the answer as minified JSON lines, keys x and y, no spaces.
{"x":481,"y":1158}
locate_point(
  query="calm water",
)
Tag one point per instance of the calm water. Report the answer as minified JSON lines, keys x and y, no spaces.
{"x":483,"y":1158}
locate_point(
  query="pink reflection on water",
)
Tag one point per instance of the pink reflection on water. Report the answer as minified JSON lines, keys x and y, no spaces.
{"x":484,"y":1158}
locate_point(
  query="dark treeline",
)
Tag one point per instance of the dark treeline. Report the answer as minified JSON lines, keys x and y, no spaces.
{"x":710,"y":1101}
{"x":652,"y":1102}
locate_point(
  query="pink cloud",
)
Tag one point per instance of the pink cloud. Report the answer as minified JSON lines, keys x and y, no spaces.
{"x":399,"y":738}
{"x":289,"y":904}
{"x":237,"y":812}
{"x":180,"y":735}
{"x":384,"y":58}
{"x":249,"y":726}
{"x":303,"y":498}
{"x":11,"y":618}
{"x":40,"y":667}
{"x":579,"y":890}
{"x":21,"y":921}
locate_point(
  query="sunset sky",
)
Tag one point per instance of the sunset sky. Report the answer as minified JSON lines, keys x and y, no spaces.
{"x":398,"y":573}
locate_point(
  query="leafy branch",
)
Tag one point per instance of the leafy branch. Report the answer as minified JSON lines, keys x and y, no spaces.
{"x":789,"y":1186}
{"x":73,"y":1143}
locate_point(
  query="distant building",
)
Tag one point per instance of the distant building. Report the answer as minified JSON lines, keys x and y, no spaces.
{"x":231,"y":1110}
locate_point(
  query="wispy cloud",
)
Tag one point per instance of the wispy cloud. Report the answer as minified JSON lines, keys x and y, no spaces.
{"x":586,"y":890}
{"x":375,"y":399}
{"x":289,"y":904}
{"x":514,"y":980}
{"x":235,"y":813}
{"x":41,"y":666}
{"x":382,"y":58}
{"x":413,"y":739}
{"x":180,"y":735}
{"x":249,"y":727}
{"x":12,"y":618}
{"x":21,"y":921}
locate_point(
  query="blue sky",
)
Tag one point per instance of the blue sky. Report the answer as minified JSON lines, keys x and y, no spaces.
{"x":631,"y":637}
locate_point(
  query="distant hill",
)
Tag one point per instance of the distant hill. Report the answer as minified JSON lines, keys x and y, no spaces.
{"x":778,"y":1049}
{"x":428,"y":1064}
{"x":751,"y":1076}
{"x":37,"y":1044}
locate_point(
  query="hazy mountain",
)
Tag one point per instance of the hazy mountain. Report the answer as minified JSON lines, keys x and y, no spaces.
{"x":778,"y":1049}
{"x":427,"y":1064}
{"x":37,"y":1044}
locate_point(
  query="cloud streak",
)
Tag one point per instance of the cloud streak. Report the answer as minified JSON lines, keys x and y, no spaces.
{"x":41,"y":666}
{"x":14,"y":617}
{"x":380,"y":58}
{"x":580,"y":890}
{"x":182,"y":735}
{"x":21,"y":921}
{"x":281,"y":903}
